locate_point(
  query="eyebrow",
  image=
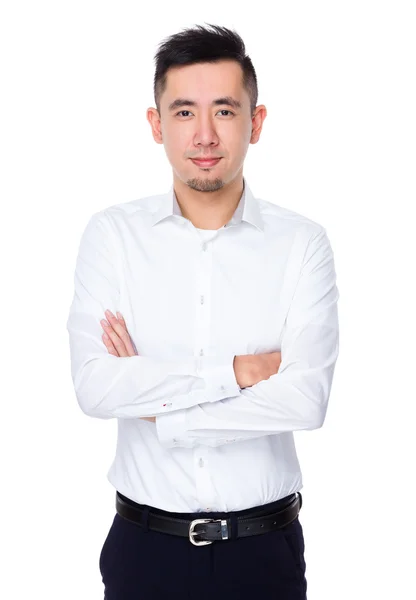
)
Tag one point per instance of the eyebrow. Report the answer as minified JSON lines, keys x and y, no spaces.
{"x":226,"y":100}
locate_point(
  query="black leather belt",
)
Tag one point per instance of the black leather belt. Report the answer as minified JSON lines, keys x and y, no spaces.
{"x":211,"y":530}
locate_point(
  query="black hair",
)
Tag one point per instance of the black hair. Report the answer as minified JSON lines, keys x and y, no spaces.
{"x":203,"y":44}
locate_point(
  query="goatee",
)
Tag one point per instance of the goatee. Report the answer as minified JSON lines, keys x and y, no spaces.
{"x":205,"y":185}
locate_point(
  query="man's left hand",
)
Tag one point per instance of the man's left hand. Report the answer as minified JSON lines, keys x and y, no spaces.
{"x":117,"y":340}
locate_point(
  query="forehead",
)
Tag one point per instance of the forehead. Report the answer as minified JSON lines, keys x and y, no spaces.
{"x":223,"y":78}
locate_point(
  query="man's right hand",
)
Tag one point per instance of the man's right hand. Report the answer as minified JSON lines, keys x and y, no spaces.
{"x":251,"y":368}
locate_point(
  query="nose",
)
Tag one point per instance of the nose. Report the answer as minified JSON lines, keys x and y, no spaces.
{"x":206,"y":134}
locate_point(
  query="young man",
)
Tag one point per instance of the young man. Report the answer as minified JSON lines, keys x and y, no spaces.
{"x":205,"y":321}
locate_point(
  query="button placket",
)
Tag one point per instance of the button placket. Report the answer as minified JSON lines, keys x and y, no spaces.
{"x":203,"y":312}
{"x":204,"y":487}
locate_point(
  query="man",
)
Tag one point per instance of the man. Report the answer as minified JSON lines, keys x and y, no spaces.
{"x":205,"y":321}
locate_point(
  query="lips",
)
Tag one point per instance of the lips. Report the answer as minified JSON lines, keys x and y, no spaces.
{"x":205,"y":162}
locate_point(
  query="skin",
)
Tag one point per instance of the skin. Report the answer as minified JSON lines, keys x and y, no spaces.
{"x":207,"y":196}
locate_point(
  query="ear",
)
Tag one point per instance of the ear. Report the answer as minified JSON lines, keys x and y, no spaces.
{"x":153,"y":117}
{"x":257,"y":123}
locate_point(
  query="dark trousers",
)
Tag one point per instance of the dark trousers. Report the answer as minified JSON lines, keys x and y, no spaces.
{"x":137,"y":563}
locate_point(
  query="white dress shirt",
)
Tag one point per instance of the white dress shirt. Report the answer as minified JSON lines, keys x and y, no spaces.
{"x":192,"y":299}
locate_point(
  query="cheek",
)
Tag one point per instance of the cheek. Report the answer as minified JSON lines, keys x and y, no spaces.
{"x":237,"y":138}
{"x":238,"y":147}
{"x":177,"y":142}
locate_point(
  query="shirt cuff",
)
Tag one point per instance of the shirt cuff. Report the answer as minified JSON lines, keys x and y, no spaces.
{"x":171,"y":428}
{"x":219,"y":377}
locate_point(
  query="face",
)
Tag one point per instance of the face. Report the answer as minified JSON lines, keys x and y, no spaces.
{"x":205,"y":113}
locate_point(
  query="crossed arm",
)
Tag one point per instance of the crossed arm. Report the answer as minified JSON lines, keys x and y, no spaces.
{"x":210,"y":403}
{"x":249,"y":369}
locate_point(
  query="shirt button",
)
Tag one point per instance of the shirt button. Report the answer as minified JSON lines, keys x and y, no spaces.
{"x":204,"y":247}
{"x":201,"y":462}
{"x":223,"y":388}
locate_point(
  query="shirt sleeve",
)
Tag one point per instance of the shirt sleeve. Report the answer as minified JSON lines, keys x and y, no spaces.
{"x":296,"y":397}
{"x":108,"y":386}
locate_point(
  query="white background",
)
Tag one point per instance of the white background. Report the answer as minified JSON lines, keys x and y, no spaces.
{"x":338,"y":145}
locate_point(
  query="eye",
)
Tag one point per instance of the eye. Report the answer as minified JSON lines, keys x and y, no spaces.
{"x":224,"y":110}
{"x":183,"y":111}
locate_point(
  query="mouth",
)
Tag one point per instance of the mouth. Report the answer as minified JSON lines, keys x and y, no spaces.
{"x":206,"y":163}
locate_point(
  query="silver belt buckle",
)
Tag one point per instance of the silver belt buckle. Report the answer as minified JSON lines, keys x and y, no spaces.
{"x":192,"y":533}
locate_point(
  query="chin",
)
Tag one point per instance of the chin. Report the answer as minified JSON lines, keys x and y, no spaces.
{"x":205,"y":184}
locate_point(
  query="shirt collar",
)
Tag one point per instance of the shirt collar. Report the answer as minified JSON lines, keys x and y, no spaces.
{"x":248,"y":209}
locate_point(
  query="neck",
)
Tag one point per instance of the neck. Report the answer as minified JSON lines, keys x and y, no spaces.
{"x":209,"y":210}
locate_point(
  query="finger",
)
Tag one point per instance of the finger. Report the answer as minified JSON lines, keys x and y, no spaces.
{"x":123,"y":324}
{"x":121,"y":320}
{"x":122,"y":332}
{"x":124,"y":338}
{"x":109,"y":345}
{"x":115,"y":338}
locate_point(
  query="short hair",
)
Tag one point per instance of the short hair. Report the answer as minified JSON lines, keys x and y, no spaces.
{"x":203,"y":44}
